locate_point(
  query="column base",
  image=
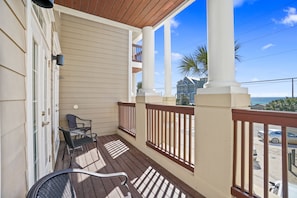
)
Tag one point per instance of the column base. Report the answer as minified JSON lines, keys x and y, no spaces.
{"x":214,"y":84}
{"x":169,"y":100}
{"x":154,"y":99}
{"x":148,"y":92}
{"x":214,"y":139}
{"x":223,"y":90}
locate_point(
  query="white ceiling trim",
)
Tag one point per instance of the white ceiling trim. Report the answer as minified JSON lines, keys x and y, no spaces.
{"x":174,"y":13}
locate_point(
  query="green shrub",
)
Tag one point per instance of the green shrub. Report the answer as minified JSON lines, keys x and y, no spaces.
{"x":286,"y":104}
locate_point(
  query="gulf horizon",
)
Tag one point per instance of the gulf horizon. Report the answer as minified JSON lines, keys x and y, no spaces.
{"x":263,"y":100}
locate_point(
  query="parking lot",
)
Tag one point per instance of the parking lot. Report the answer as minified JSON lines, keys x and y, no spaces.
{"x":275,"y":166}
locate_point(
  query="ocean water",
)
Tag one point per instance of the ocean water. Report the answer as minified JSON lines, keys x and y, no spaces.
{"x":263,"y":100}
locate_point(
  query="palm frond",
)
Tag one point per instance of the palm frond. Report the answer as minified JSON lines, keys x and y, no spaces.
{"x":236,"y":48}
{"x":201,"y":55}
{"x":188,"y":64}
{"x":196,"y":63}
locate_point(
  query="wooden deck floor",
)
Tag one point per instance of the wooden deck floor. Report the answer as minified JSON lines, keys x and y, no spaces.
{"x":147,"y":178}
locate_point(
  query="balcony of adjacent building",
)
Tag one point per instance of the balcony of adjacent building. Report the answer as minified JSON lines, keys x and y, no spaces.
{"x":136,"y":58}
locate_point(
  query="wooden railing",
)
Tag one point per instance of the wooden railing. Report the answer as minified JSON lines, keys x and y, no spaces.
{"x":136,"y":53}
{"x":127,"y":118}
{"x":170,"y":131}
{"x":244,"y":137}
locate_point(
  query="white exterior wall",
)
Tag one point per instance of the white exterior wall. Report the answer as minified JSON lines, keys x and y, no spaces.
{"x":12,"y":102}
{"x":95,"y":73}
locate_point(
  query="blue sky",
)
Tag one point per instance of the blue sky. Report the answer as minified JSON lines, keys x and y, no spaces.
{"x":266,"y":31}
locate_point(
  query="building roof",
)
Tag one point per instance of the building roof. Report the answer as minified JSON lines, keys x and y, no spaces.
{"x":194,"y":80}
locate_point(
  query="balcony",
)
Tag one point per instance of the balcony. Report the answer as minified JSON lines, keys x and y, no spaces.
{"x":136,"y":53}
{"x":136,"y":58}
{"x":171,"y":132}
{"x":147,"y":178}
{"x":277,"y":161}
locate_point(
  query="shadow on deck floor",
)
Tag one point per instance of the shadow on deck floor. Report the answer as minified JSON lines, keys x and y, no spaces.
{"x":147,"y":178}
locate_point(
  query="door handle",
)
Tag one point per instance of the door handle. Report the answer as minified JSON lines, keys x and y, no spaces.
{"x":45,"y":123}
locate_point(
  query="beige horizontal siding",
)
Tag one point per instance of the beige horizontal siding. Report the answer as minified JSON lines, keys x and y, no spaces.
{"x":13,"y":163}
{"x":14,"y":58}
{"x":12,"y":99}
{"x":95,"y":73}
{"x":12,"y":26}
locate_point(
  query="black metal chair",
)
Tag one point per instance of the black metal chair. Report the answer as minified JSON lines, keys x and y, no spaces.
{"x":76,"y":123}
{"x":58,"y":184}
{"x":78,"y":142}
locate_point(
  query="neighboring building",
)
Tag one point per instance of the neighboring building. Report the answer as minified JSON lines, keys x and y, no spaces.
{"x":188,"y":87}
{"x":258,"y":107}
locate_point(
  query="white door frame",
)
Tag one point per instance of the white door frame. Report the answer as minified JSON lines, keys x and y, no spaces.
{"x":38,"y":33}
{"x":55,"y":102}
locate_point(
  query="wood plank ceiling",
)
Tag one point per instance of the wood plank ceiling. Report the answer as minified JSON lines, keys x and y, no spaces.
{"x":137,"y":13}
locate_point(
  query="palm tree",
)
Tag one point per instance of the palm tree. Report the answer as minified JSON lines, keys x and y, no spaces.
{"x":139,"y":86}
{"x":196,"y":63}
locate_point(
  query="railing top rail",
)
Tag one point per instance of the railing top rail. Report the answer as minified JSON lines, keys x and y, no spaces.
{"x":171,"y":108}
{"x":129,"y":104}
{"x":135,"y":45}
{"x":288,"y":119}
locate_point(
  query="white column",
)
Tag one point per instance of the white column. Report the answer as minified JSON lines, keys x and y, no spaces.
{"x":167,"y":57}
{"x":134,"y":84}
{"x":220,"y":38}
{"x":130,"y":80}
{"x":148,"y":61}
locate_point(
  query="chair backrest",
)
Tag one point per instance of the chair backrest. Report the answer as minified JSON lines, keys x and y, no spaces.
{"x":56,"y":184}
{"x":67,"y":137}
{"x":71,"y":119}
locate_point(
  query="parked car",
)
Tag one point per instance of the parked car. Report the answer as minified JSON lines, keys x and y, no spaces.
{"x":255,"y":154}
{"x":277,"y":189}
{"x":261,"y":133}
{"x":275,"y":136}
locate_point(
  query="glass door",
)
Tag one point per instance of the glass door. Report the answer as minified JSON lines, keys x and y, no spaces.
{"x":41,"y":95}
{"x":45,"y":116}
{"x":35,"y":110}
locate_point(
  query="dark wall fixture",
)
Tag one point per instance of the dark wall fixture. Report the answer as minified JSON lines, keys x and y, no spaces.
{"x":44,"y":3}
{"x":59,"y":58}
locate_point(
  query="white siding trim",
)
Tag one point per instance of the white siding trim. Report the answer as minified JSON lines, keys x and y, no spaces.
{"x":29,"y":127}
{"x":56,"y":42}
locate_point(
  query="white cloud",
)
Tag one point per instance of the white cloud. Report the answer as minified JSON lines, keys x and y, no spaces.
{"x":265,"y":47}
{"x":174,"y":23}
{"x":176,"y":56}
{"x":291,"y":18}
{"x":237,"y":3}
{"x":156,"y":52}
{"x":157,"y":73}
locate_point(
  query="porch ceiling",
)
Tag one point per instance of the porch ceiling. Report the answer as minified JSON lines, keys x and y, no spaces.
{"x":136,"y":13}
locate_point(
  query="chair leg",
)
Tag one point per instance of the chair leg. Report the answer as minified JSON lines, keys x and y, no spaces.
{"x":71,"y":156}
{"x":86,"y":146}
{"x":97,"y":149}
{"x":64,"y":151}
